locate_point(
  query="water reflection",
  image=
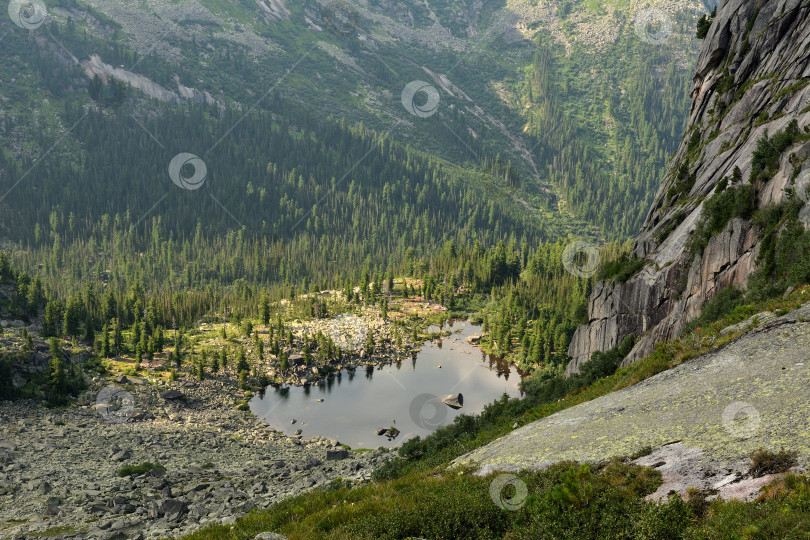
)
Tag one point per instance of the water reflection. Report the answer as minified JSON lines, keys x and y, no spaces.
{"x":354,"y":408}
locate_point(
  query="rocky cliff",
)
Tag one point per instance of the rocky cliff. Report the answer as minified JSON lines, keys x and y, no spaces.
{"x":751,"y":77}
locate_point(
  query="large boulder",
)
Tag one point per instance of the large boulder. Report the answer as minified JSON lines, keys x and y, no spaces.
{"x":337,"y":454}
{"x":454,"y":401}
{"x":173,"y":509}
{"x":172,"y":394}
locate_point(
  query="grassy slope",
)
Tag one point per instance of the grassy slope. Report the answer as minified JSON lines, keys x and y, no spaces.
{"x":424,"y":498}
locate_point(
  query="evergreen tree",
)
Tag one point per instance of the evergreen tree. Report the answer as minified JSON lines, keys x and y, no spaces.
{"x":265,"y":310}
{"x":105,"y":344}
{"x":57,"y":378}
{"x":241,"y":361}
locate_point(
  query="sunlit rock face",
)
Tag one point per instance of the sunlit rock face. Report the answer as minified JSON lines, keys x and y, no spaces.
{"x":751,"y":77}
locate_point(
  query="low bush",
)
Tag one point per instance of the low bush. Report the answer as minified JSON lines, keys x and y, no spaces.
{"x":622,"y":268}
{"x":720,"y":305}
{"x":768,"y":462}
{"x":143,"y":468}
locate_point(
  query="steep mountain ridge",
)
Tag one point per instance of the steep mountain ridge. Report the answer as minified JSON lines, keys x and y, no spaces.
{"x":751,"y":82}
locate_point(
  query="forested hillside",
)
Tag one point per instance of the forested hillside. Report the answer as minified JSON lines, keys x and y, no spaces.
{"x":546,"y":126}
{"x":576,"y":127}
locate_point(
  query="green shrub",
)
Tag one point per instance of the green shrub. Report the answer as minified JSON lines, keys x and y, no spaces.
{"x":718,"y":210}
{"x":768,"y":462}
{"x":720,"y":305}
{"x":683,"y":180}
{"x":704,"y":23}
{"x":621,"y":269}
{"x":143,"y":468}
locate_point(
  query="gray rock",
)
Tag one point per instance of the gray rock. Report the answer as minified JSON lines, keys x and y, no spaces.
{"x":269,"y":536}
{"x":173,"y":509}
{"x":337,"y":455}
{"x":123,"y":455}
{"x":454,"y":401}
{"x":171,"y":394}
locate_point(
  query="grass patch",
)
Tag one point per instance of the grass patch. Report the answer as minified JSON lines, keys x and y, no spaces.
{"x":142,"y":468}
{"x":565,"y":501}
{"x":59,"y":530}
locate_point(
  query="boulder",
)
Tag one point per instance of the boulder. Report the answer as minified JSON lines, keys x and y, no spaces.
{"x":454,"y":401}
{"x":337,"y":455}
{"x":173,"y":509}
{"x":123,"y":455}
{"x":172,"y":394}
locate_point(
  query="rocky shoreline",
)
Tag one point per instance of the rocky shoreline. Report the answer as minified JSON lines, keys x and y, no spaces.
{"x":59,"y":467}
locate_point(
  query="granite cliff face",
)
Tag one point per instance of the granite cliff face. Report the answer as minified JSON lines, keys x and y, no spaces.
{"x":752,"y":75}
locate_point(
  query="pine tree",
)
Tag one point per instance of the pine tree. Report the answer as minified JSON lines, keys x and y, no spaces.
{"x":89,"y":331}
{"x":105,"y":344}
{"x":50,"y":323}
{"x":241,"y":361}
{"x":56,"y":373}
{"x":159,"y":340}
{"x":118,"y":337}
{"x":73,"y":316}
{"x":28,"y":343}
{"x":265,"y":309}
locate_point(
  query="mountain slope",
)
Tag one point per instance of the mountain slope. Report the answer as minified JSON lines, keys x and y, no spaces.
{"x":732,"y":207}
{"x":583,"y":110}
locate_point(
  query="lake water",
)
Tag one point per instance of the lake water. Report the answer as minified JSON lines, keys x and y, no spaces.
{"x":405,"y":395}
